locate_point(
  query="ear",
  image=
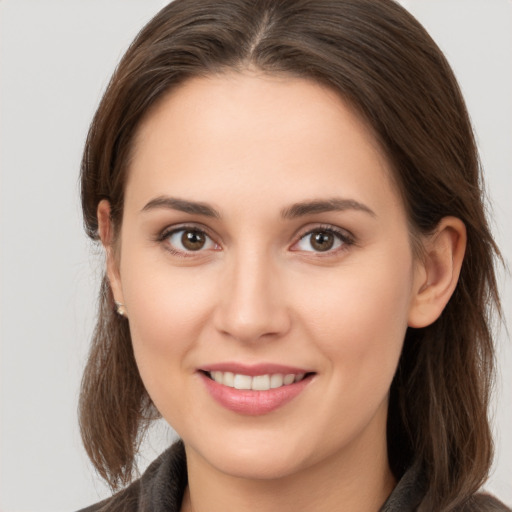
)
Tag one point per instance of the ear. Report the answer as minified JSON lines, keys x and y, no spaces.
{"x":106,"y":233}
{"x":436,"y":276}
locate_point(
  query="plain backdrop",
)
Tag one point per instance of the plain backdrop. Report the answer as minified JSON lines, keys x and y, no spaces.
{"x":56,"y":57}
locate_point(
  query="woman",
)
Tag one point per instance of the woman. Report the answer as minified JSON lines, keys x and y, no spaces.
{"x":298,"y":264}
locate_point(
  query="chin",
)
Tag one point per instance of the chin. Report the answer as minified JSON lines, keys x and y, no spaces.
{"x":255,"y":460}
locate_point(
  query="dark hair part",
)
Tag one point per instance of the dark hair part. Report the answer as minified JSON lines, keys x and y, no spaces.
{"x":382,"y":61}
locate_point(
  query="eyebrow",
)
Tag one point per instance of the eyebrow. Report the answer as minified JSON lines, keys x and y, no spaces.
{"x":292,"y":212}
{"x":325,"y":205}
{"x":182,"y":205}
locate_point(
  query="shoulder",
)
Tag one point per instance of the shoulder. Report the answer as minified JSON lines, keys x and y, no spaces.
{"x":483,"y":502}
{"x":410,"y":495}
{"x":159,"y":489}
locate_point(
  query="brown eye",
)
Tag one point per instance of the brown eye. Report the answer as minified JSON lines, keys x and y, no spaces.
{"x":193,"y":240}
{"x":188,"y":240}
{"x":322,"y":241}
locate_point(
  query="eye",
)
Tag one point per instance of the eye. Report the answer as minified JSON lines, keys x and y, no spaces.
{"x":186,"y":240}
{"x":322,"y":240}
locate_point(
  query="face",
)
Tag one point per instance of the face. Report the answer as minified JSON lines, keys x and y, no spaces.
{"x":265,"y":264}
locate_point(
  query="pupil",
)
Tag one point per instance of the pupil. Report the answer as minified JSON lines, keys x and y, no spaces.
{"x":322,"y":241}
{"x":193,"y":240}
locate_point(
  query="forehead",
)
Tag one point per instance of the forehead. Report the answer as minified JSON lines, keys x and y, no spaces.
{"x":252,"y":132}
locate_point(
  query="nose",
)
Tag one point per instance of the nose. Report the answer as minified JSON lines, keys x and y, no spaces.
{"x":252,"y":303}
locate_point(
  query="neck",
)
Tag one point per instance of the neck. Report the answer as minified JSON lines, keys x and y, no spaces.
{"x":359,"y":479}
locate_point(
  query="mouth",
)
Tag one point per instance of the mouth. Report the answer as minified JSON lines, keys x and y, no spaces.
{"x":254,"y":390}
{"x":263,"y":382}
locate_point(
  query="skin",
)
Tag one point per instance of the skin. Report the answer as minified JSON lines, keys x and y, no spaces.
{"x":251,"y":145}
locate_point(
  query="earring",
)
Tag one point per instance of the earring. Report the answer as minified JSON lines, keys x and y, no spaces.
{"x":120,"y":308}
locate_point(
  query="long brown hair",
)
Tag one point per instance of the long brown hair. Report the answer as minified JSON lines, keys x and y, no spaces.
{"x":382,"y":61}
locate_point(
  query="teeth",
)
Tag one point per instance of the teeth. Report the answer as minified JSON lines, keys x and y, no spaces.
{"x":261,"y":382}
{"x":242,"y":381}
{"x":276,"y":380}
{"x":289,"y":379}
{"x":228,"y":379}
{"x":258,"y":382}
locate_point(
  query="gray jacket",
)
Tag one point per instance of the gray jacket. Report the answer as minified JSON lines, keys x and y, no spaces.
{"x":161,"y":488}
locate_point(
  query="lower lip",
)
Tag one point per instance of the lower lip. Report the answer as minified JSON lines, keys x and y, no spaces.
{"x":253,"y":403}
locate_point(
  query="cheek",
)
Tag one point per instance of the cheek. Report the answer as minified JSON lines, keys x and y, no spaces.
{"x":359,"y":317}
{"x":168,"y":309}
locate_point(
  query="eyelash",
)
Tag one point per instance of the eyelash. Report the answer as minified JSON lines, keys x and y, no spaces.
{"x":344,"y":237}
{"x":167,"y":233}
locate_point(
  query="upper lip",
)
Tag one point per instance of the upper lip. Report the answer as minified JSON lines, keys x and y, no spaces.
{"x":253,"y":369}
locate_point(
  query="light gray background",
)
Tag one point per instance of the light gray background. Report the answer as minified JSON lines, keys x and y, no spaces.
{"x":56,"y":57}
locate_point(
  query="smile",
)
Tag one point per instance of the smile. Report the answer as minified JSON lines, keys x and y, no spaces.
{"x":254,"y":390}
{"x":256,"y":382}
